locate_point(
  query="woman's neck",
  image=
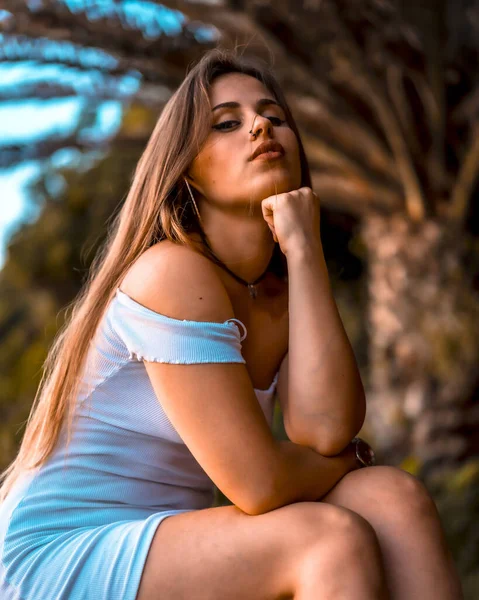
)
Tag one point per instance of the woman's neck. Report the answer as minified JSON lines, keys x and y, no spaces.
{"x":244,"y":245}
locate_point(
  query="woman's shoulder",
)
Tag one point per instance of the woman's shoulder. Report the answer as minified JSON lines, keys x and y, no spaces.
{"x":174,"y":279}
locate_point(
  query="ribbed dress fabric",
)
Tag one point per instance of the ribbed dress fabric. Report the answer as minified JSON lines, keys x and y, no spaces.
{"x":80,"y":525}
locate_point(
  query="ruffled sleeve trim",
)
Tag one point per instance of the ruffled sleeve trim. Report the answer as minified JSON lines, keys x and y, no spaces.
{"x":152,"y":336}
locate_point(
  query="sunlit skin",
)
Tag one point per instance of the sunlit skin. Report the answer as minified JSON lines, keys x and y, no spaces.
{"x":229,"y":187}
{"x":229,"y":190}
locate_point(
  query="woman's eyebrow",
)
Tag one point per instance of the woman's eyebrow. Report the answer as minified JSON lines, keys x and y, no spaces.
{"x":261,"y":102}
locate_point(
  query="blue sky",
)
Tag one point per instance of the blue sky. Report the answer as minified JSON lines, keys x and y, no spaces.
{"x":26,"y":121}
{"x":35,"y":118}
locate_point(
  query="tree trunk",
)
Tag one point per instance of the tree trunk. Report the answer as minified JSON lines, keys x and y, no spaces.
{"x":423,"y":325}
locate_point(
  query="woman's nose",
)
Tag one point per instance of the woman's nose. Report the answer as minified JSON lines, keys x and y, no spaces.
{"x":261,"y":124}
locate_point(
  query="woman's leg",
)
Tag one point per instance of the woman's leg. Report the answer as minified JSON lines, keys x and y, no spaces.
{"x":417,"y":560}
{"x":305,"y":551}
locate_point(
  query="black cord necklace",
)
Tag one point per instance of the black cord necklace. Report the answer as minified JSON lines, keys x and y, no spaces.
{"x":253,"y":292}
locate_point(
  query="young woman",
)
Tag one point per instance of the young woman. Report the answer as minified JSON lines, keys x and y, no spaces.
{"x":211,"y":291}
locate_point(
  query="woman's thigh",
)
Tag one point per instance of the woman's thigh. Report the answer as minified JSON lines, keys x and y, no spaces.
{"x":222,"y":552}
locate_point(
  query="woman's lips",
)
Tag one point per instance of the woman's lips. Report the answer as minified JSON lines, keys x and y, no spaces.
{"x":269,"y":155}
{"x":267,"y":146}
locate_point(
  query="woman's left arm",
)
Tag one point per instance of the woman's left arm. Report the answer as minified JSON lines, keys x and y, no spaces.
{"x":319,"y":387}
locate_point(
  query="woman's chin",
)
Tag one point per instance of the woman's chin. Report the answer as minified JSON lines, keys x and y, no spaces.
{"x":279,"y":186}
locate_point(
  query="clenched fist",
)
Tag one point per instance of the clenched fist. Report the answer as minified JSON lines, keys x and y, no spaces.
{"x":293,"y":218}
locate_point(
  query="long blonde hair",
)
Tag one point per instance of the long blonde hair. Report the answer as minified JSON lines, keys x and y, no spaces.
{"x":157,"y":207}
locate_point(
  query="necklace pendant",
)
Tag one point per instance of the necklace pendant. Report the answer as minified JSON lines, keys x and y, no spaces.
{"x":252,"y":290}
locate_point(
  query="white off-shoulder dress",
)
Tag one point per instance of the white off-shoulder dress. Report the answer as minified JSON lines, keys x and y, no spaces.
{"x":79,"y":527}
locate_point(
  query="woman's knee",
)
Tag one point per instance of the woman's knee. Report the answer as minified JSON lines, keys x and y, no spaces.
{"x":351,"y":533}
{"x":313,"y":526}
{"x":349,"y":546}
{"x":337,"y":528}
{"x":392,"y":490}
{"x":402,"y":493}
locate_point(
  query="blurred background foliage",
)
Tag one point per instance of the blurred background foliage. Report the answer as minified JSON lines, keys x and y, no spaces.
{"x":386,"y":95}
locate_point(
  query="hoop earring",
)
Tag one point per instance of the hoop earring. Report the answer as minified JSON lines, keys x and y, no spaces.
{"x":194,"y":202}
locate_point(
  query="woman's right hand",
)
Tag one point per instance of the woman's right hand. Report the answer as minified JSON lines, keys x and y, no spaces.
{"x":293,"y":218}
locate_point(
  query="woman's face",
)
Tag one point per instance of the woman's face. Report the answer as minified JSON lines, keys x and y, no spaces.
{"x":223,"y":171}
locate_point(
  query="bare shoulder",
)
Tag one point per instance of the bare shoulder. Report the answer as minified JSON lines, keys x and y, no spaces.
{"x":179,"y":282}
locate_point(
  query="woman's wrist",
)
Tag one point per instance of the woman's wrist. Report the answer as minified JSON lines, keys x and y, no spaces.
{"x":308,"y":475}
{"x":303,"y":249}
{"x":350,"y":456}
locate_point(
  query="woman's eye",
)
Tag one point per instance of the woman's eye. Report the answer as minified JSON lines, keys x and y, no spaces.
{"x":277,"y":119}
{"x":222,"y":125}
{"x":274,"y":120}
